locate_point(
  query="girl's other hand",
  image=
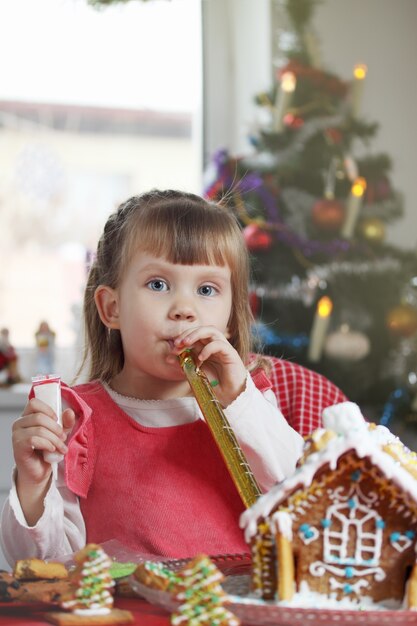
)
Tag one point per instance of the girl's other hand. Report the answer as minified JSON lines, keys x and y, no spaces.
{"x":217,"y":358}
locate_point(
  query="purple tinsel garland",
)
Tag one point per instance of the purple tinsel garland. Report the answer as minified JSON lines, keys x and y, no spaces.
{"x":252,"y":182}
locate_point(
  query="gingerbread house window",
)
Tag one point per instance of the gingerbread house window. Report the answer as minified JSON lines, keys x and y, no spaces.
{"x":353,"y":534}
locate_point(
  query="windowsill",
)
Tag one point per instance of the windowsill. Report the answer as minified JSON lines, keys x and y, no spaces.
{"x":14,"y":397}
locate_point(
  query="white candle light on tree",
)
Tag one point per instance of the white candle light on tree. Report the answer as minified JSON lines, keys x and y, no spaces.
{"x":283,"y":99}
{"x":319,"y":329}
{"x":353,"y":206}
{"x":359,"y":75}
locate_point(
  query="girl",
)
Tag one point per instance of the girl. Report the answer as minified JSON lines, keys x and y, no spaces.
{"x":141,"y":466}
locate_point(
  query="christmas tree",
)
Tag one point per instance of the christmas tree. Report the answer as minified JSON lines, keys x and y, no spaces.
{"x":201,"y":596}
{"x":328,"y":291}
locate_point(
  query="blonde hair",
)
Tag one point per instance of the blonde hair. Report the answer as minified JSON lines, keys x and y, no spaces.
{"x":183,"y":228}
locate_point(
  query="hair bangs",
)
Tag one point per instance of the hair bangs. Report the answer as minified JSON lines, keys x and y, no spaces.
{"x":182,"y":237}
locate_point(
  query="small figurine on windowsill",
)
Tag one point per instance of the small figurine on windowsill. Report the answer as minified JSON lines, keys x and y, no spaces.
{"x":45,"y":349}
{"x":8,"y":360}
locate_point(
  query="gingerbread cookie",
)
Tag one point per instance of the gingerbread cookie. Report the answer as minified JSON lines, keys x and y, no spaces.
{"x":48,"y":591}
{"x":156,"y":576}
{"x":90,"y":599}
{"x":36,"y":569}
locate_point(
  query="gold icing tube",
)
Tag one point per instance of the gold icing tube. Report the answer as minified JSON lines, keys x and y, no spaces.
{"x":221,"y":430}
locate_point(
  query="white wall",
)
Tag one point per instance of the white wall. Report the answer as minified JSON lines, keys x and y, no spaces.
{"x":380,"y":33}
{"x":237,"y":66}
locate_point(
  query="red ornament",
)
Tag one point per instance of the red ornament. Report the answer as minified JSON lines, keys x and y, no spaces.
{"x":292,"y":121}
{"x":334,"y":135}
{"x":256,"y":238}
{"x":328,"y":214}
{"x":378,"y":191}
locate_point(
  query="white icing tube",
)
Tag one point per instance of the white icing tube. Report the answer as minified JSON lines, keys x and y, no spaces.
{"x":48,"y":389}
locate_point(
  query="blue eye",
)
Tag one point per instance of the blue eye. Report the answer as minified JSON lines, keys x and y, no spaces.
{"x":158,"y":285}
{"x":206,"y":290}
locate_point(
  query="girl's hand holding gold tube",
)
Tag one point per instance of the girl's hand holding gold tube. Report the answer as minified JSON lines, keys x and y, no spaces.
{"x":217,"y":358}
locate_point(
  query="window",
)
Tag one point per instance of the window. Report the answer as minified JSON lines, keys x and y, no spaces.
{"x":95,"y":106}
{"x":354,"y":535}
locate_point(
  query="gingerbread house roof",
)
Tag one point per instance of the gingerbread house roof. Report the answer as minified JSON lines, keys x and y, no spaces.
{"x":345,"y":429}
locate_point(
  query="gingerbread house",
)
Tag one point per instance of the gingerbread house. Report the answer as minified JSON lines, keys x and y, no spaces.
{"x":344,"y":525}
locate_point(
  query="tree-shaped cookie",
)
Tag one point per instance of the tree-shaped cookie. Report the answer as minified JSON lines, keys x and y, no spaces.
{"x":202,"y":597}
{"x":91,"y":594}
{"x":92,"y":582}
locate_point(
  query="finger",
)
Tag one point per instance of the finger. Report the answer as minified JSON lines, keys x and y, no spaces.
{"x":68,"y":419}
{"x":37,"y":420}
{"x":202,"y":334}
{"x":38,"y":406}
{"x":38,"y":438}
{"x":223,"y":350}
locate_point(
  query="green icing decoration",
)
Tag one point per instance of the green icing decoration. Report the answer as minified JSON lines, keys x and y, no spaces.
{"x":119,"y":570}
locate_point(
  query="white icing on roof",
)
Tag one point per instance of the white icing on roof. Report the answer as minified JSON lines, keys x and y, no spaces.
{"x":352,"y":434}
{"x":344,"y":418}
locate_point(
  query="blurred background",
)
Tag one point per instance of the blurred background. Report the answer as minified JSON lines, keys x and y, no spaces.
{"x":255,"y":99}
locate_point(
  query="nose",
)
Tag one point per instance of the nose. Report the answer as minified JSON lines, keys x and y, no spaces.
{"x":182,"y":310}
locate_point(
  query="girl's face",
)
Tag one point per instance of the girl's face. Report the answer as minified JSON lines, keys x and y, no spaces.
{"x":155,"y":302}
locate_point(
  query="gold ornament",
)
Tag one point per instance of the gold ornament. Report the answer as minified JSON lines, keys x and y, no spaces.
{"x":372,"y":229}
{"x":402,"y":320}
{"x":221,"y":430}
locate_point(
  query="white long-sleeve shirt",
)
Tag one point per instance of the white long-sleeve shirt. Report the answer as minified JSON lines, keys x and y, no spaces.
{"x":270,"y":445}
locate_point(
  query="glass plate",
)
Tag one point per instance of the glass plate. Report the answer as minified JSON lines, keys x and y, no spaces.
{"x":154,"y":596}
{"x":257,"y":613}
{"x":228,"y":564}
{"x":265,"y":615}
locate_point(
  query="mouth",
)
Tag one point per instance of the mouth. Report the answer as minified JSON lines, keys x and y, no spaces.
{"x":170,"y":343}
{"x":173,"y":350}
